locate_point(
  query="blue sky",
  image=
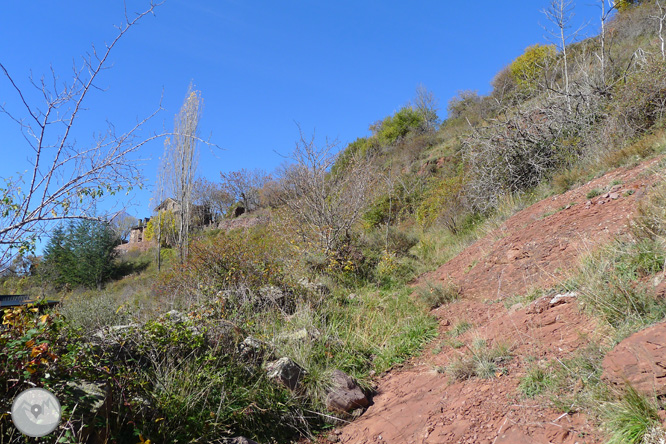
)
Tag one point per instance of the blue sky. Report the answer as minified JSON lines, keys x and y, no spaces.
{"x":333,"y":66}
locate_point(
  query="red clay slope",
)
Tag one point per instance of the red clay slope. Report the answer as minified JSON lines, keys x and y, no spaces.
{"x":537,"y":247}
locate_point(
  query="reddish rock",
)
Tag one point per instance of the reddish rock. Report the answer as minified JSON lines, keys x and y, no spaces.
{"x":345,"y":395}
{"x":639,"y":360}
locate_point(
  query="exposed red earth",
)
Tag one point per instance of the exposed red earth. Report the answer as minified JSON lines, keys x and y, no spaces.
{"x":536,"y":248}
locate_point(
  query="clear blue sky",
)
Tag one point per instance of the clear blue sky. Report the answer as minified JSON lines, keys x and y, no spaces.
{"x":336,"y":66}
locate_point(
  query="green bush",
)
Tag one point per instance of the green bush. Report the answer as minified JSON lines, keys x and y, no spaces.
{"x":392,"y":128}
{"x":443,"y":202}
{"x":528,"y":68}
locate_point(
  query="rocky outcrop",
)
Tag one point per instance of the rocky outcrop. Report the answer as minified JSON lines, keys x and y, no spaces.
{"x":639,"y":360}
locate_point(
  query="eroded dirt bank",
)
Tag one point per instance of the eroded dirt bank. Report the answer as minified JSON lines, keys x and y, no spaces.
{"x":536,"y":248}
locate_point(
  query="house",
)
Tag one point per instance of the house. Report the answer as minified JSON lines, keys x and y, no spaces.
{"x":137,"y":232}
{"x":200,"y":215}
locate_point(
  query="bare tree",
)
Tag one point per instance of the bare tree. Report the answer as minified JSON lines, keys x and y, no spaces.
{"x":181,"y":154}
{"x":661,"y":17}
{"x":244,"y":186}
{"x":160,"y":192}
{"x":122,"y":223}
{"x":426,"y":104}
{"x":212,"y":197}
{"x":325,"y":205}
{"x":560,"y":13}
{"x":65,"y":178}
{"x":606,"y":11}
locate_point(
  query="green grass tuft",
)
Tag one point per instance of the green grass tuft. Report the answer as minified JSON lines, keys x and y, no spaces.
{"x":634,"y":419}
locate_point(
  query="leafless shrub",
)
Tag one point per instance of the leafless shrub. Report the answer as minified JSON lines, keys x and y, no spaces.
{"x":325,"y":205}
{"x":520,"y":148}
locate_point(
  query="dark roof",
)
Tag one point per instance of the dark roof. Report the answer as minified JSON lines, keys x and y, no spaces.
{"x":14,"y":300}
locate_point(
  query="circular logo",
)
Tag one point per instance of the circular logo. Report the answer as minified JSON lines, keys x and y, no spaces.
{"x":36,"y":412}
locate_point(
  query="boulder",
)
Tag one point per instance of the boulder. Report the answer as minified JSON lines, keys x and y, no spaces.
{"x":252,"y":349}
{"x":91,"y":396}
{"x":238,"y":440}
{"x":114,"y":340}
{"x":301,"y":335}
{"x":314,"y":286}
{"x":176,"y":318}
{"x":345,"y":395}
{"x":639,"y":360}
{"x":109,"y":335}
{"x":285,"y":371}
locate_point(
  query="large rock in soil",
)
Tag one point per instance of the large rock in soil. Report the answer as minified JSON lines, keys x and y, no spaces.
{"x":639,"y":360}
{"x":345,"y":395}
{"x":285,"y":371}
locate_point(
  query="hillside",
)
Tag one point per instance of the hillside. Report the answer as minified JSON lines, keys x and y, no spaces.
{"x":507,"y":281}
{"x":455,"y":280}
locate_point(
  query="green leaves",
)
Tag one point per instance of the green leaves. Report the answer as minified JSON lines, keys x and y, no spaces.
{"x":81,"y":254}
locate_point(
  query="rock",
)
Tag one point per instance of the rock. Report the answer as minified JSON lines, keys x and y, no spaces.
{"x":285,"y":371}
{"x":272,"y":294}
{"x":301,"y":335}
{"x":238,"y":440}
{"x":111,"y":334}
{"x":345,"y":395}
{"x":615,"y":188}
{"x":614,"y":196}
{"x":639,"y":360}
{"x":93,"y":402}
{"x":252,"y":349}
{"x":563,"y":298}
{"x":316,"y":287}
{"x":91,"y":396}
{"x":175,"y":316}
{"x":114,"y":340}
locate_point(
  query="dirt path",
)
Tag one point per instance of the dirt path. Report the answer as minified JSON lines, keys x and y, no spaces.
{"x":536,"y":248}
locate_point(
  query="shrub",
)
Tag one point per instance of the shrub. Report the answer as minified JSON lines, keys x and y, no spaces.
{"x":528,"y":67}
{"x":89,"y":313}
{"x":517,"y":151}
{"x":443,"y":202}
{"x":248,"y":259}
{"x":392,"y":128}
{"x":640,"y":102}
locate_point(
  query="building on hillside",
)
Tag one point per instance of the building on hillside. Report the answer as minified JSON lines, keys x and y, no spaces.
{"x":137,"y":232}
{"x":200,"y":215}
